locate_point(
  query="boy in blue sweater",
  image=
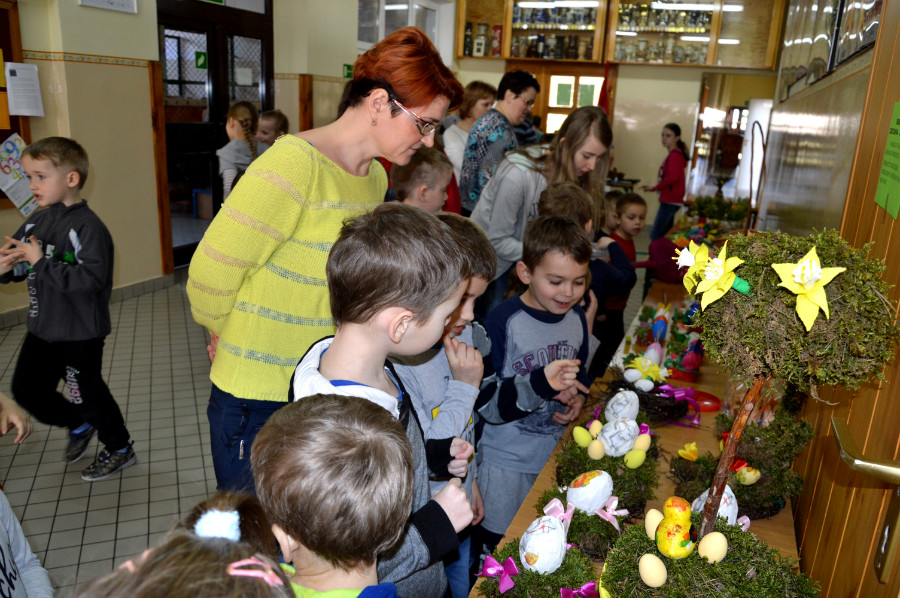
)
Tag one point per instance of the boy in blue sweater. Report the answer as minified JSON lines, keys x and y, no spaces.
{"x":528,"y":332}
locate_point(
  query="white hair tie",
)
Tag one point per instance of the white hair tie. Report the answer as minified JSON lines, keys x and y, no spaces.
{"x":219,"y":524}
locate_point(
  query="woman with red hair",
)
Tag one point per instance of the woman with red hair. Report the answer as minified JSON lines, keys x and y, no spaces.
{"x":257,"y":279}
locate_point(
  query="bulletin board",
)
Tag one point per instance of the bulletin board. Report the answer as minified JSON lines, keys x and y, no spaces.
{"x":11,"y":48}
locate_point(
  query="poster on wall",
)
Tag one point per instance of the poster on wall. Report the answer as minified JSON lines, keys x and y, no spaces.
{"x":12,"y":176}
{"x":887,"y":194}
{"x":859,"y":27}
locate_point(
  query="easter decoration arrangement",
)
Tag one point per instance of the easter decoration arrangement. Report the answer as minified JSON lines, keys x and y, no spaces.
{"x":801,"y":311}
{"x":542,"y":562}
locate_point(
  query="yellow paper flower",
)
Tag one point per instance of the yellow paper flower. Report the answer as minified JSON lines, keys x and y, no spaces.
{"x":717,"y":277}
{"x":646,"y":367}
{"x":807,"y":279}
{"x":689,"y":452}
{"x":694,"y":256}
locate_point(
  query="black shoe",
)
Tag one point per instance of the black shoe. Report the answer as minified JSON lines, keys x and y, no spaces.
{"x":78,"y":444}
{"x":108,"y":464}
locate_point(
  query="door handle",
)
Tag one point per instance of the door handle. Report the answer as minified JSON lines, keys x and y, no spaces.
{"x":886,"y":471}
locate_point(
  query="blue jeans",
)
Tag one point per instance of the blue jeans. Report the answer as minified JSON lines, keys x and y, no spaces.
{"x":456,"y":566}
{"x":233,"y":424}
{"x":665,"y":218}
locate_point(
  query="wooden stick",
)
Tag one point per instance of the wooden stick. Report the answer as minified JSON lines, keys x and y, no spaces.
{"x":711,"y":509}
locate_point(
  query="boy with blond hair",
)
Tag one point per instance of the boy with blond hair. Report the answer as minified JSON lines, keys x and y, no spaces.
{"x":422,"y":183}
{"x":528,"y":332}
{"x":395,"y":276}
{"x":313,"y":464}
{"x":65,"y":253}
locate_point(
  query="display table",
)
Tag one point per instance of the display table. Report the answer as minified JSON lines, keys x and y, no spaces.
{"x":777,"y":532}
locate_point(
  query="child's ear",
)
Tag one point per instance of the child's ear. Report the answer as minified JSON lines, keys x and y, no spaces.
{"x":72,"y":179}
{"x":286,"y":543}
{"x":420,"y":192}
{"x":399,"y":322}
{"x":523,"y":273}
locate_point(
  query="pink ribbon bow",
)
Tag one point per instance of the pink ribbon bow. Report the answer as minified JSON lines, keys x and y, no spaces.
{"x":681,"y":393}
{"x":588,"y":590}
{"x":744,"y":522}
{"x":644,"y":429}
{"x":609,"y":512}
{"x":555,"y":508}
{"x":492,"y":568}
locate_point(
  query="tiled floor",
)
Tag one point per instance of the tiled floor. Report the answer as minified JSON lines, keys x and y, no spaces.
{"x":156,"y":365}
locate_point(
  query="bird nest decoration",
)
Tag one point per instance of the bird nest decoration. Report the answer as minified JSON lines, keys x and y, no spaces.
{"x":657,"y":406}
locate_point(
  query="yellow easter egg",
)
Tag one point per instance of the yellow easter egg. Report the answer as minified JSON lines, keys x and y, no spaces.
{"x":651,"y":522}
{"x":713,"y":547}
{"x":582,"y":437}
{"x":596,"y":450}
{"x":595,"y":428}
{"x":643,"y":442}
{"x":747,"y":476}
{"x":635,"y":458}
{"x":653,"y":571}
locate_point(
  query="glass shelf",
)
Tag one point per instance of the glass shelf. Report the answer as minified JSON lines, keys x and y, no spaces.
{"x":663,"y":32}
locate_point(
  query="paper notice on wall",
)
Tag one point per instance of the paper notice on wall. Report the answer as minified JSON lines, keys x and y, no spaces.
{"x":24,"y":89}
{"x":887,"y":194}
{"x":243,"y":76}
{"x":12,"y":175}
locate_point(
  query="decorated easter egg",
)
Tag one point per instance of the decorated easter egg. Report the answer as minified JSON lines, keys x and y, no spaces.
{"x":651,"y":522}
{"x":747,"y":476}
{"x":644,"y":385}
{"x":623,"y":404}
{"x":728,"y":507}
{"x":618,"y":436}
{"x":654,"y":353}
{"x":543,"y":545}
{"x":589,"y":491}
{"x":713,"y":547}
{"x":632,"y":375}
{"x":596,"y":450}
{"x":653,"y":571}
{"x":635,"y":458}
{"x":643,"y":442}
{"x":582,"y":436}
{"x":595,"y":427}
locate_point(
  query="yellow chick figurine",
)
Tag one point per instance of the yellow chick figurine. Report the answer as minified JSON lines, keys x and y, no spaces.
{"x":675,"y":536}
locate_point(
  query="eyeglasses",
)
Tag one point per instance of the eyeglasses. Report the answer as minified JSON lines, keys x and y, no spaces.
{"x":425,"y":128}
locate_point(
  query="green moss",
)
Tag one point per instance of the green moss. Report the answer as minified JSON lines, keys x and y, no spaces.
{"x":576,"y":570}
{"x":750,"y":569}
{"x":761,"y":335}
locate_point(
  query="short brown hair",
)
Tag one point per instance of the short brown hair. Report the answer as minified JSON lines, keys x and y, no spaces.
{"x":475,"y":91}
{"x":554,"y":233}
{"x":568,"y":200}
{"x":336,"y":474}
{"x":187,"y":565}
{"x":63,"y":153}
{"x":395,"y":255}
{"x":473,"y":245}
{"x":423,"y":169}
{"x":254,"y":526}
{"x":629,"y":199}
{"x":279,"y":120}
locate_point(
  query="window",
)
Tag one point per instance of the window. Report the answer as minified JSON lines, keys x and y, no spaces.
{"x":379,"y":18}
{"x":568,"y":92}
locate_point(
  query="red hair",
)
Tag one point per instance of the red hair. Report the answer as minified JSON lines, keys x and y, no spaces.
{"x":408,"y":66}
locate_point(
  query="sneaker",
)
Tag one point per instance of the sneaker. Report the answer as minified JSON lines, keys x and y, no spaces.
{"x":108,"y":464}
{"x":78,"y":444}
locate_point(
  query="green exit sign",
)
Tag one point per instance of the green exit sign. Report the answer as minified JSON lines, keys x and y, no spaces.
{"x":348,"y":71}
{"x":200,"y":60}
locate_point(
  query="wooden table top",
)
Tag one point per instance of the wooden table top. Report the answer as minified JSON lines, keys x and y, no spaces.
{"x":777,"y":532}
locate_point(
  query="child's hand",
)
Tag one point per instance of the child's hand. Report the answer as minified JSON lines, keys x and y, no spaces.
{"x":466,"y":363}
{"x":212,"y":346}
{"x":9,"y":257}
{"x":456,"y":504}
{"x":573,"y":410}
{"x":605,"y":242}
{"x":13,"y":415}
{"x":460,"y":450}
{"x":562,"y":373}
{"x":31,"y":251}
{"x":477,"y":503}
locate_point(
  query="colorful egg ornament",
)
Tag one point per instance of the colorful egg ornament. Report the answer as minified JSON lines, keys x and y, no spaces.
{"x":618,"y":436}
{"x":543,"y":545}
{"x":590,"y":491}
{"x":622,"y":405}
{"x":675,"y":535}
{"x":728,"y":506}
